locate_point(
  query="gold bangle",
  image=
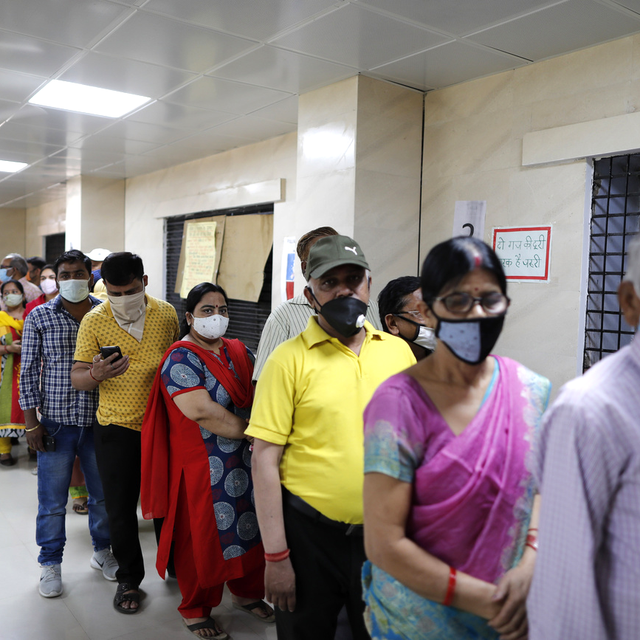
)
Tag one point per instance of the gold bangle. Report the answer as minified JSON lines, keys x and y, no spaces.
{"x":34,"y":428}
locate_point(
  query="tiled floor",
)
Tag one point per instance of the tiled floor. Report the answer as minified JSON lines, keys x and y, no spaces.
{"x":84,"y":611}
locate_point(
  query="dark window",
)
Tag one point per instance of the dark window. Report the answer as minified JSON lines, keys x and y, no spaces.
{"x":53,"y":247}
{"x":615,"y":219}
{"x":246,"y":319}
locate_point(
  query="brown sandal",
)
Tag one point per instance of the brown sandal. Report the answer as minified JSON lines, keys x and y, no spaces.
{"x":80,"y":507}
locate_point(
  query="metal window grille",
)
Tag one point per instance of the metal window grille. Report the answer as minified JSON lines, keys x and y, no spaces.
{"x":615,"y":219}
{"x":246,"y":319}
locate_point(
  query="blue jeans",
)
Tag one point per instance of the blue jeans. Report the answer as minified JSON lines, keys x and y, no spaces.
{"x":54,"y":475}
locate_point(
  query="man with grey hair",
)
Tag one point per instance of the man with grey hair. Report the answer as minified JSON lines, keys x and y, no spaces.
{"x":586,"y":583}
{"x":15,"y":267}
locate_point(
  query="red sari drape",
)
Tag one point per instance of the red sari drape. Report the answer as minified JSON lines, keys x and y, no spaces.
{"x":174,"y":453}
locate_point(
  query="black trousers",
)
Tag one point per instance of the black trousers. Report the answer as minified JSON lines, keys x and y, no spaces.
{"x":327,"y":564}
{"x":118,"y":457}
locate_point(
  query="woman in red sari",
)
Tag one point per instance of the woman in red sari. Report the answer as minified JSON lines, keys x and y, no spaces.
{"x":11,"y":323}
{"x":196,"y":467}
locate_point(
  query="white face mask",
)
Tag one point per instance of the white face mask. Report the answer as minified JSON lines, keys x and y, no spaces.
{"x":212,"y":327}
{"x":13,"y":299}
{"x":426,"y":338}
{"x":48,"y":286}
{"x":128,"y":308}
{"x":74,"y":291}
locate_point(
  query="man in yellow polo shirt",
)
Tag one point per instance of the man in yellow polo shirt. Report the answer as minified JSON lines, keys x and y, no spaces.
{"x":308,"y":451}
{"x":144,"y":328}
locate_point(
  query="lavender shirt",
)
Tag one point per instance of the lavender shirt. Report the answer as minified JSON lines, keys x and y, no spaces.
{"x":586,"y":584}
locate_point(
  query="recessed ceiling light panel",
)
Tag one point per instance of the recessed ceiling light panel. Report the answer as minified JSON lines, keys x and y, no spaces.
{"x":71,"y":96}
{"x":11,"y":167}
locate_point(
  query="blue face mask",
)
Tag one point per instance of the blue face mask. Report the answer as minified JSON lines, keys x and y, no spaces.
{"x":4,"y":275}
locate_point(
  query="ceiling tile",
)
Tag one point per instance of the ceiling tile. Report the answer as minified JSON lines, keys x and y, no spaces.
{"x":18,"y":86}
{"x":558,"y":29}
{"x":144,"y":131}
{"x":284,"y":70}
{"x":359,"y":38}
{"x":248,"y":18}
{"x":459,"y":17}
{"x":72,"y":22}
{"x":14,"y":130}
{"x":632,"y":5}
{"x":222,"y":95}
{"x":58,"y":119}
{"x":449,"y":64}
{"x":180,"y":116}
{"x":158,"y":40}
{"x":106,"y":143}
{"x":8,"y":109}
{"x":254,"y":129}
{"x":28,"y":149}
{"x":284,"y":111}
{"x":28,"y":55}
{"x":130,"y":76}
{"x":70,"y":159}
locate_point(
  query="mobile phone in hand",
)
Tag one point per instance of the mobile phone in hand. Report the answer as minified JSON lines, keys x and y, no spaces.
{"x":49,"y":443}
{"x":108,"y":351}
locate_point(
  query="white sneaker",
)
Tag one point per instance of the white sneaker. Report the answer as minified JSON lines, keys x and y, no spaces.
{"x":104,"y":561}
{"x":50,"y":581}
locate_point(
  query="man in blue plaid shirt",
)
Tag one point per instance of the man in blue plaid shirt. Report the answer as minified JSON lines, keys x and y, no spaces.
{"x":67,"y":415}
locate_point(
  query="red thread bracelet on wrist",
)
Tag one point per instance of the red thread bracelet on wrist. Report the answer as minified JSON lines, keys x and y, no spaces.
{"x":91,"y":374}
{"x":451,"y":588}
{"x":277,"y":557}
{"x":532,"y":542}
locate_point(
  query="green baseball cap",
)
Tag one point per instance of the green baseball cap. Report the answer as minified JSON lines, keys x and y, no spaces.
{"x":333,"y":251}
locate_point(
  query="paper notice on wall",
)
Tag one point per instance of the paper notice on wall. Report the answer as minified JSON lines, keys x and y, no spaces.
{"x":288,"y":260}
{"x":468,"y":218}
{"x":524,"y":252}
{"x":200,"y":255}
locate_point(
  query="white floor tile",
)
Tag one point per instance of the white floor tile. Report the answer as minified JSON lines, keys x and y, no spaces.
{"x":85,"y":611}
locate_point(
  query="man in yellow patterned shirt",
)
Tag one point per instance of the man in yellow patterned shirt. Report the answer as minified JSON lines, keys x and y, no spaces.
{"x":144,"y":328}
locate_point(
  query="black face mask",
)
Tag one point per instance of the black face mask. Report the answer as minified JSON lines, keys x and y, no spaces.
{"x":470,"y":340}
{"x":345,"y":315}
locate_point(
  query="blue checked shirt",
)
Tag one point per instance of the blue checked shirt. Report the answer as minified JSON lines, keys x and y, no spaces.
{"x":48,"y":345}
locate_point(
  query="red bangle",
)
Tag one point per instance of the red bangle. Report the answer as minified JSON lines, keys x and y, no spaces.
{"x":91,"y":374}
{"x":451,"y":588}
{"x":531,"y":541}
{"x":277,"y":557}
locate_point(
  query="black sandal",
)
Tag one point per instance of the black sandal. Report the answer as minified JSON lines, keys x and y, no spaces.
{"x":121,"y":597}
{"x":209,"y":623}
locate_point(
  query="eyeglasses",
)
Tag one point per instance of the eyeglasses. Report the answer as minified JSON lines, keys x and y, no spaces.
{"x":493,"y":303}
{"x":416,"y":315}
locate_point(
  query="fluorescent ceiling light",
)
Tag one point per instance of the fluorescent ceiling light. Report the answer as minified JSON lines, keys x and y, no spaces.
{"x":72,"y":96}
{"x":11,"y":167}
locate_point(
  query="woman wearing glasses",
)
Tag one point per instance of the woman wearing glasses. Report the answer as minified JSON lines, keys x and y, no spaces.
{"x":450,"y":508}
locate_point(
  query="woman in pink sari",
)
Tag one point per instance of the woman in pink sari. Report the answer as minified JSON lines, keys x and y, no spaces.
{"x":449,"y":504}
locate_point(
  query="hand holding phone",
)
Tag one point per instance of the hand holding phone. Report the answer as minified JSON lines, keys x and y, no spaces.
{"x":109,"y":351}
{"x":110,"y":363}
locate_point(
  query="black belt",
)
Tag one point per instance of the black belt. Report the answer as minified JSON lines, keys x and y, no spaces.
{"x":305,"y":508}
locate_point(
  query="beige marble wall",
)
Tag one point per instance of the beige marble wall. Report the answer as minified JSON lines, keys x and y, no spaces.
{"x":166,"y":192}
{"x":13,"y":223}
{"x":95,"y":214}
{"x":387,"y":194}
{"x":473,"y":150}
{"x":359,"y":146}
{"x":45,"y":220}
